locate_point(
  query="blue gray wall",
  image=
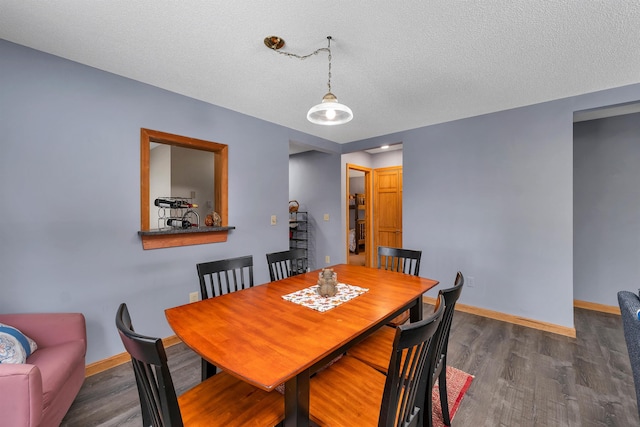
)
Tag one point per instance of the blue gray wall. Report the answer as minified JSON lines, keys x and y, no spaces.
{"x":70,"y":176}
{"x":606,"y":208}
{"x":490,"y":195}
{"x":314,"y":181}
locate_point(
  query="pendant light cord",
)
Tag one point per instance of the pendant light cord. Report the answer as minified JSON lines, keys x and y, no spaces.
{"x":315,"y":52}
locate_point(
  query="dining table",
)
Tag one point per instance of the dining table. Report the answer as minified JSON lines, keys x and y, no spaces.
{"x":276,"y":333}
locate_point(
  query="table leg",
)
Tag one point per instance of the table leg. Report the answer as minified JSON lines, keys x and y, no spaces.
{"x":415,"y":314}
{"x":296,"y":400}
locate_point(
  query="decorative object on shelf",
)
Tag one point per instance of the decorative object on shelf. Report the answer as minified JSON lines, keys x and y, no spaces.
{"x":327,"y":281}
{"x":213,"y":220}
{"x":217,"y":220}
{"x":177,"y":212}
{"x":293,"y":206}
{"x":329,"y":112}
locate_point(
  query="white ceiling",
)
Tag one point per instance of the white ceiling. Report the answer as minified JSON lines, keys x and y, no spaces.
{"x":398,"y":65}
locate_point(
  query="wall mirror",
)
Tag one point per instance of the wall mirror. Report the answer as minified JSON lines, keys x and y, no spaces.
{"x":179,"y":166}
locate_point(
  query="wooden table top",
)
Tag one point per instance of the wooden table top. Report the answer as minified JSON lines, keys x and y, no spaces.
{"x":264,"y":340}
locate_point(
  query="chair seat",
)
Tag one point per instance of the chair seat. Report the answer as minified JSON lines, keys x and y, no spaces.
{"x":376,"y":349}
{"x":400,"y":319}
{"x":223,"y":400}
{"x":345,"y":393}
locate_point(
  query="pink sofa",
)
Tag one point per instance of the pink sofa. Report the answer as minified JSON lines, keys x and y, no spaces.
{"x":40,"y":392}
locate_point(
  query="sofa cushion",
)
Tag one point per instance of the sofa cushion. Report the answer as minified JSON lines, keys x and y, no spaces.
{"x":56,"y":364}
{"x":15,"y":347}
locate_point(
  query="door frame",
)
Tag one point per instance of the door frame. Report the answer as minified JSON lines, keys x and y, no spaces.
{"x":368,"y":211}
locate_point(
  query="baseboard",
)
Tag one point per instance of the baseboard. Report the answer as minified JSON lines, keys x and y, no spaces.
{"x":611,"y":309}
{"x":510,"y":318}
{"x":119,"y":359}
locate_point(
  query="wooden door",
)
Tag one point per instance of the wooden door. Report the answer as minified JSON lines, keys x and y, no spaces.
{"x":387,"y":207}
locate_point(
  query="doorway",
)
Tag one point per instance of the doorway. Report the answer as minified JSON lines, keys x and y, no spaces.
{"x":606,"y":202}
{"x":359,"y":214}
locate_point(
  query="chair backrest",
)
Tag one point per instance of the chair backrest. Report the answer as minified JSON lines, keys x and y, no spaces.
{"x":286,"y":263}
{"x":401,"y":260}
{"x":157,"y":394}
{"x":225,"y":276}
{"x":450,"y":296}
{"x":629,"y":306}
{"x":409,"y":360}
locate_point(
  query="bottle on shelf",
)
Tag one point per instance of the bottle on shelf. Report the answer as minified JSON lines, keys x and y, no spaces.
{"x":167,"y":203}
{"x":174,"y":203}
{"x":179,"y":223}
{"x":184,"y":204}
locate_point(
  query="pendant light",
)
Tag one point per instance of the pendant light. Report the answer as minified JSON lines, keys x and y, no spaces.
{"x":329,"y":112}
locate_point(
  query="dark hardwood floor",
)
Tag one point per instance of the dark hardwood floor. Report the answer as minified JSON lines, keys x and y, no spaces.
{"x":523,"y":377}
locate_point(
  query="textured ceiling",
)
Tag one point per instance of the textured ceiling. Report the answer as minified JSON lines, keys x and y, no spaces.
{"x":397,"y":65}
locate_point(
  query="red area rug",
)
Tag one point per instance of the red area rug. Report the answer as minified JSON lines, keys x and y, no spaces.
{"x":458,"y":382}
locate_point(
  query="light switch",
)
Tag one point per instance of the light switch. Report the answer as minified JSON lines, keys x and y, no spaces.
{"x":326,"y":217}
{"x":274,"y":220}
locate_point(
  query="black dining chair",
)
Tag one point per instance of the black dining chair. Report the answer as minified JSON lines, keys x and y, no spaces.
{"x":286,"y":263}
{"x":374,"y":349}
{"x":222,"y":277}
{"x":351,"y":393}
{"x":401,"y":260}
{"x":221,"y":400}
{"x":405,"y":261}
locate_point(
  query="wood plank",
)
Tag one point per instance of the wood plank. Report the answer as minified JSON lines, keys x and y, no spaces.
{"x":118,"y":359}
{"x":611,"y":309}
{"x":172,"y":240}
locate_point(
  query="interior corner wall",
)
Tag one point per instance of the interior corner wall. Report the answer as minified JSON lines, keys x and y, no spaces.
{"x":386,"y":159}
{"x":491,"y":196}
{"x":606,"y":208}
{"x":70,"y":163}
{"x":192,"y":172}
{"x":314,"y":181}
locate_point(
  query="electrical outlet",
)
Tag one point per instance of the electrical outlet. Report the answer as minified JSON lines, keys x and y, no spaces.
{"x":327,"y":259}
{"x":193,"y":297}
{"x":274,"y":220}
{"x":470,"y":282}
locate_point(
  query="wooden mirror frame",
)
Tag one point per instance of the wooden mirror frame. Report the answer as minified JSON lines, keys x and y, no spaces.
{"x":221,"y":180}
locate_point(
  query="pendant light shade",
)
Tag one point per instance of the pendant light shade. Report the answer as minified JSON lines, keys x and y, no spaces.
{"x":329,"y":112}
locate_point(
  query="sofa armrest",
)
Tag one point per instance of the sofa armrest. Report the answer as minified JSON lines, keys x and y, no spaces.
{"x":21,"y":391}
{"x":48,"y":329}
{"x":629,"y":305}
